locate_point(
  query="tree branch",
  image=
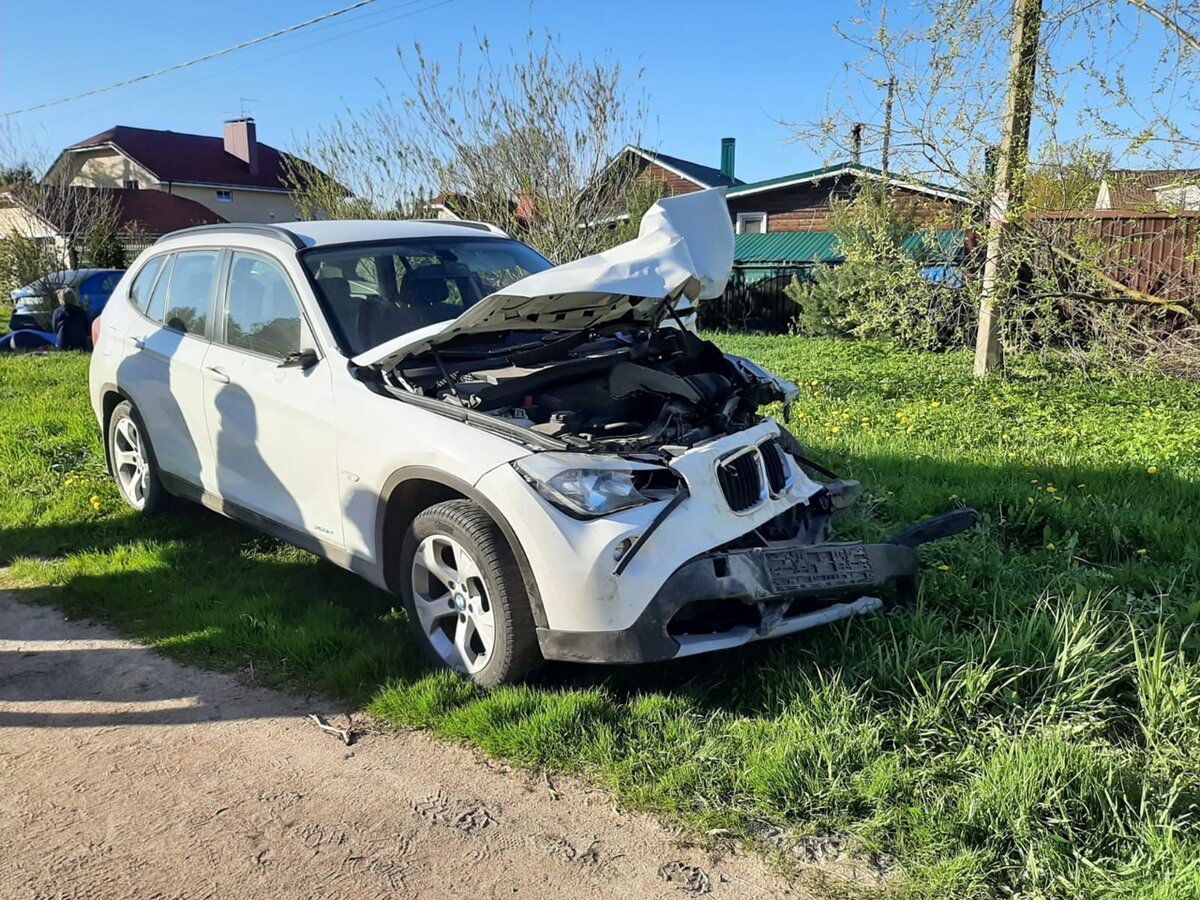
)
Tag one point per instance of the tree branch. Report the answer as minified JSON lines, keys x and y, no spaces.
{"x":1170,"y":23}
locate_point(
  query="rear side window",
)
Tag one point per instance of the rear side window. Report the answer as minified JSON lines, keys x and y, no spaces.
{"x":262,"y":313}
{"x":190,"y":294}
{"x":158,"y":300}
{"x":139,"y":292}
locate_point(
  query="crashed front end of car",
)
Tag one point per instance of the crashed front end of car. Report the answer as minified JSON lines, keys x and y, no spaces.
{"x":660,"y":513}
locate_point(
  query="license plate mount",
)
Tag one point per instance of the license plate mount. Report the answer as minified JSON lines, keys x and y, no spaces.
{"x":820,"y":568}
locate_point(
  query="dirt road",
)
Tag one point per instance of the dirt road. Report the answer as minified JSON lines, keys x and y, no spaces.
{"x":123,"y":774}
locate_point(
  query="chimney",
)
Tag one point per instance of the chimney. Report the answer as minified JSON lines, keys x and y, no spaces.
{"x":856,"y":141}
{"x":727,"y":147}
{"x":526,"y":207}
{"x":241,"y":140}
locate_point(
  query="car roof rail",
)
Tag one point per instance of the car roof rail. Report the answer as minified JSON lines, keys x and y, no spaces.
{"x":264,"y":230}
{"x":467,"y":223}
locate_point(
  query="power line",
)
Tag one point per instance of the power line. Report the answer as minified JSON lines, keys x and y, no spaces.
{"x":191,"y":62}
{"x":391,"y":17}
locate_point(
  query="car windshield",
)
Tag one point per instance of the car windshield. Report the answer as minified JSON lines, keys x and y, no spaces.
{"x":374,"y":292}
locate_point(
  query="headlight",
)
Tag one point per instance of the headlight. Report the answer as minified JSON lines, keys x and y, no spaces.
{"x":585,"y":485}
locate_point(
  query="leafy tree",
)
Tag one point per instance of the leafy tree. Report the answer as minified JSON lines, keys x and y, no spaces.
{"x":104,"y":248}
{"x":20,"y":173}
{"x":949,"y":62}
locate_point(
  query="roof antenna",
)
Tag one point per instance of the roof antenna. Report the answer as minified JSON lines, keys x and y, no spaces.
{"x":244,"y":101}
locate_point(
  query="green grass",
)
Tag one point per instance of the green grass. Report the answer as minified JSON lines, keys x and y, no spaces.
{"x":1033,"y":728}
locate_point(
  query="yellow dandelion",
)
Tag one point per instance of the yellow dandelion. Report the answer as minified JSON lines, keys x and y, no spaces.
{"x":69,"y":481}
{"x":1147,"y":415}
{"x":1049,"y":546}
{"x":1142,"y":551}
{"x":1004,"y":437}
{"x":95,"y":502}
{"x":935,"y":404}
{"x":943,"y":568}
{"x":813,"y":383}
{"x":1152,"y":470}
{"x":1051,"y":489}
{"x":837,"y":429}
{"x":901,"y":416}
{"x":1012,"y":456}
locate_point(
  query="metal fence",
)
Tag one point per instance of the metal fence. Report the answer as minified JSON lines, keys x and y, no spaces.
{"x":755,"y":300}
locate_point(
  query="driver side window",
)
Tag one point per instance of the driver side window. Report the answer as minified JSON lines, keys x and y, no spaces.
{"x":262,"y":312}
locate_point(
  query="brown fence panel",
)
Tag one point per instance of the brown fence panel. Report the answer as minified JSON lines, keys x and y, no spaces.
{"x":1154,"y":253}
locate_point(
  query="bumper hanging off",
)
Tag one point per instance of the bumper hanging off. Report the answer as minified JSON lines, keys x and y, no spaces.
{"x":758,"y":593}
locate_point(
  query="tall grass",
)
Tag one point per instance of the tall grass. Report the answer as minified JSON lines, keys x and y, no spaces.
{"x":1033,"y":728}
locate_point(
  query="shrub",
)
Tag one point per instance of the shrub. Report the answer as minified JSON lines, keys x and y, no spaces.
{"x":880,"y":289}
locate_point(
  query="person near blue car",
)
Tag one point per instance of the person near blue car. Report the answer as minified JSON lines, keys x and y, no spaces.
{"x":70,"y":326}
{"x":70,"y":322}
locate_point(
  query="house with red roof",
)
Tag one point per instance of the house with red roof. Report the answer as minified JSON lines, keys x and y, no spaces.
{"x":235,"y":176}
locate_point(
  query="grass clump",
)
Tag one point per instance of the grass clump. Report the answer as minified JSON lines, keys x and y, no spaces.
{"x":1033,"y":728}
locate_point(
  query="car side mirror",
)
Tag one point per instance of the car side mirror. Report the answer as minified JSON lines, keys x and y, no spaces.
{"x":300,"y":359}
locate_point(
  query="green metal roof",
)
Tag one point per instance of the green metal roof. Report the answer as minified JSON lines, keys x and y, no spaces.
{"x":786,"y":246}
{"x":842,"y":168}
{"x":822,"y":246}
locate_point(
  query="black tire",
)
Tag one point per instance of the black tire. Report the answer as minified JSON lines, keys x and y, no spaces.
{"x":154,"y":498}
{"x":514,"y":654}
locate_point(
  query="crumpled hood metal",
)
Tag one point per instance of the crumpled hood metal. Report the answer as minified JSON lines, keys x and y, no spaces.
{"x":684,"y":249}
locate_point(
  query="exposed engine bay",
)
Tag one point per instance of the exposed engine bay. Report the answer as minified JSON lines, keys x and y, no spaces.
{"x":621,"y":392}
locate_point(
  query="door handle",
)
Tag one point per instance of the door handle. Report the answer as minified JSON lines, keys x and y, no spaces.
{"x":217,"y":374}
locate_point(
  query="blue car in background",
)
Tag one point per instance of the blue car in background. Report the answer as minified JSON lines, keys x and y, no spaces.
{"x":34,"y":304}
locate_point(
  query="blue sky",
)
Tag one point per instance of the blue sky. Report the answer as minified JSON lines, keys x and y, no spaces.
{"x":711,"y":67}
{"x":710,"y":71}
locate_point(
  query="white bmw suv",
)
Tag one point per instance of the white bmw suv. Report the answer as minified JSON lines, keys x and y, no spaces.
{"x":543,"y":462}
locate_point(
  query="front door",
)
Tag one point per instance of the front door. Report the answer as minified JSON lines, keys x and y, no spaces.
{"x":271,"y":427}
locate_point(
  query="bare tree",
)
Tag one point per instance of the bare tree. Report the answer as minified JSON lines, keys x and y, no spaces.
{"x":521,"y":139}
{"x":46,"y":228}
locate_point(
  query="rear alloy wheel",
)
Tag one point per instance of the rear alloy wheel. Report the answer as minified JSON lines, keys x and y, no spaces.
{"x":132,"y":459}
{"x":465,"y":596}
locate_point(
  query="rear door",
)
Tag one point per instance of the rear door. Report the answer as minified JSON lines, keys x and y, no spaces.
{"x":161,"y":366}
{"x":270,"y":426}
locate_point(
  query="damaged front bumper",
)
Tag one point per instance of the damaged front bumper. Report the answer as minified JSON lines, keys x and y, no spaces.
{"x":727,"y":598}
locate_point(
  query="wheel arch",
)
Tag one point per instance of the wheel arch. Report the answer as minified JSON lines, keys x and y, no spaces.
{"x":111,"y":397}
{"x":410,"y":490}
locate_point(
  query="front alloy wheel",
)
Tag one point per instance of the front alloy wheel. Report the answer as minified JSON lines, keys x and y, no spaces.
{"x":465,"y":596}
{"x":452,"y":604}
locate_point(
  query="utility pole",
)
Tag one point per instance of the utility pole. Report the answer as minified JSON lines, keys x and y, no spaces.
{"x":887,"y":125}
{"x":1011,"y":165}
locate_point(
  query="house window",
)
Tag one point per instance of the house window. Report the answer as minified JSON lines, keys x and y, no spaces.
{"x":752,"y":223}
{"x":225,"y":196}
{"x":132,"y":185}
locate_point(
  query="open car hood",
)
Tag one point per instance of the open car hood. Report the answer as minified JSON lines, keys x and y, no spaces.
{"x":684,"y":250}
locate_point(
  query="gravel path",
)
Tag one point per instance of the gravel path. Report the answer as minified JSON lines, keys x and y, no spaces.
{"x":123,"y":774}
